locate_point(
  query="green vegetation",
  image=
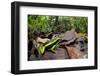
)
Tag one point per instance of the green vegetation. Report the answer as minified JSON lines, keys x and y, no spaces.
{"x":56,"y":24}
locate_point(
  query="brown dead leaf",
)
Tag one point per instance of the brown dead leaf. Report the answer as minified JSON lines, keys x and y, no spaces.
{"x":74,"y":53}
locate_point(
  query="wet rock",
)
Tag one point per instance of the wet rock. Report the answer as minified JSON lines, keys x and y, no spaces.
{"x":59,"y":54}
{"x":69,"y":37}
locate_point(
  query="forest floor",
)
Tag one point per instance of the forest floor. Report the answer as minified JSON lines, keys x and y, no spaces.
{"x":71,"y":46}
